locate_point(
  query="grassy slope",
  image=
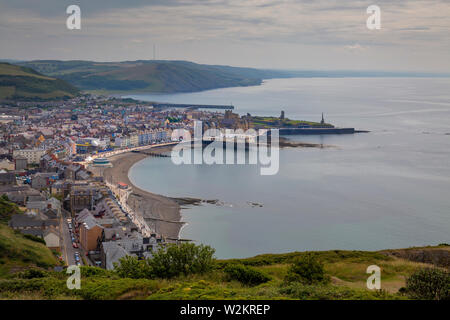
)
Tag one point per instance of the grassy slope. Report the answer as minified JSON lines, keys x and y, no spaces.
{"x":17,"y":252}
{"x":24,"y":83}
{"x":7,"y":209}
{"x":346,"y":268}
{"x":150,"y":76}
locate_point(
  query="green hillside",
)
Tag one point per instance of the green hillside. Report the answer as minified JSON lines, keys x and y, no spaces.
{"x":260,"y":277}
{"x":24,"y":83}
{"x":17,"y":252}
{"x":7,"y":209}
{"x":150,"y":76}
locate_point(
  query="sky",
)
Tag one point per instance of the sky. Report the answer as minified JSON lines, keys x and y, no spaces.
{"x":277,"y":34}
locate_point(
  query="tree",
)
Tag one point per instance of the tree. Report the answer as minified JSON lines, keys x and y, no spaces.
{"x":182,"y":259}
{"x":131,"y":267}
{"x":168,"y":262}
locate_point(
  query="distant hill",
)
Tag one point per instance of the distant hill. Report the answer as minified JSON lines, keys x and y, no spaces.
{"x":151,"y":75}
{"x":18,"y":82}
{"x":164,"y":76}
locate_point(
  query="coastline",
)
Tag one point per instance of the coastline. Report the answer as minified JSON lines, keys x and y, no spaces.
{"x":160,"y":212}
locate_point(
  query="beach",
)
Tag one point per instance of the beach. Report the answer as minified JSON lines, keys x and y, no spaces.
{"x":161,"y":213}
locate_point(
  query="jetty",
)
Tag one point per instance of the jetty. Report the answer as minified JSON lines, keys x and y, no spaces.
{"x":191,"y":106}
{"x":314,"y":131}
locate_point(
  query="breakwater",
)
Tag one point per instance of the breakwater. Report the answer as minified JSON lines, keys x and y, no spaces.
{"x":191,"y":106}
{"x":311,"y":131}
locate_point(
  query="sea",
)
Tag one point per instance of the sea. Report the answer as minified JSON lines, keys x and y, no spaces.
{"x":388,"y":188}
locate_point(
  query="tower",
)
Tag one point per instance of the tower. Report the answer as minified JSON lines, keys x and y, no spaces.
{"x":323,"y":120}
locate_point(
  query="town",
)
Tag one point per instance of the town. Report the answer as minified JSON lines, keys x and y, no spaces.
{"x":52,"y":161}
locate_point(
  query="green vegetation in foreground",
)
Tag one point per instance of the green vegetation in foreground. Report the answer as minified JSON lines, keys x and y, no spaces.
{"x":24,"y":83}
{"x":7,"y":209}
{"x":274,"y":122}
{"x":194,"y":274}
{"x":19,"y":252}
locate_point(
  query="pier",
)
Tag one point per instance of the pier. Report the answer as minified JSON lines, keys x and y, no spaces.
{"x":312,"y":131}
{"x":191,"y":106}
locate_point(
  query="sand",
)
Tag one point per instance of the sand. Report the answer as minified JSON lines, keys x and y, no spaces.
{"x":160,"y":212}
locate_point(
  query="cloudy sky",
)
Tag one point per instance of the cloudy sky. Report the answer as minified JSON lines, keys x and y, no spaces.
{"x":289,"y":34}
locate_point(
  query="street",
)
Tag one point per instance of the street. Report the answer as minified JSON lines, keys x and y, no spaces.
{"x":67,"y":249}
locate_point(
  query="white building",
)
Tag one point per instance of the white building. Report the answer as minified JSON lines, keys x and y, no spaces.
{"x":33,"y":156}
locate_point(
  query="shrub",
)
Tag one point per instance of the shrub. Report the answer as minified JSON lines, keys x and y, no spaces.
{"x":182,"y":259}
{"x":246,"y":275}
{"x":300,"y":291}
{"x":131,"y":267}
{"x":34,"y":238}
{"x":88,"y":271}
{"x":47,"y":286}
{"x":429,"y":284}
{"x":32,"y":273}
{"x":307,"y":269}
{"x":110,"y":289}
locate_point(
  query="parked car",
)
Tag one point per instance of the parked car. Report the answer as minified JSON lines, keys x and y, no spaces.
{"x":74,"y":244}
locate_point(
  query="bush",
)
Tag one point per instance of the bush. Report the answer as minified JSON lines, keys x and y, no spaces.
{"x":183,"y":259}
{"x":34,"y":238}
{"x":47,"y":286}
{"x":88,"y":272}
{"x":429,"y":284}
{"x":246,"y":275}
{"x":300,"y":291}
{"x":131,"y":267}
{"x":307,"y":269}
{"x":110,"y":289}
{"x":32,"y":274}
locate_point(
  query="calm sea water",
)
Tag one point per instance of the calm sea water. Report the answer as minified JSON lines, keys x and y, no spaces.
{"x":389,"y":188}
